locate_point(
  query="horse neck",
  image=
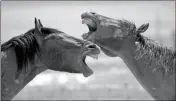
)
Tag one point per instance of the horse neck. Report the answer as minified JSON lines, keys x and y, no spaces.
{"x":10,"y":84}
{"x":127,"y":53}
{"x":157,"y":85}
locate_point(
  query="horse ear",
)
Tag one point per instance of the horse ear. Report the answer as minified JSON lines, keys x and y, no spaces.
{"x":142,"y":28}
{"x":40,"y":23}
{"x":38,"y":34}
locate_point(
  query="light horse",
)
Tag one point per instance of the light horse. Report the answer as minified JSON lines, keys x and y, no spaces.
{"x":152,"y":64}
{"x":41,"y":48}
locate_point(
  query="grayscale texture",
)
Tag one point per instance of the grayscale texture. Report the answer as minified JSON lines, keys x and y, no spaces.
{"x":111,"y":79}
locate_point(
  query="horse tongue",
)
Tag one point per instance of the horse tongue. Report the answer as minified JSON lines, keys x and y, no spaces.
{"x":87,"y":72}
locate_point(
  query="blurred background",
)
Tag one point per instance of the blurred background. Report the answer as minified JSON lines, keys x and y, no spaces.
{"x":111,"y":78}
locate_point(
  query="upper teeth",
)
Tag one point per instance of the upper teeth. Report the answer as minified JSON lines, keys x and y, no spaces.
{"x":88,"y":22}
{"x":94,"y":56}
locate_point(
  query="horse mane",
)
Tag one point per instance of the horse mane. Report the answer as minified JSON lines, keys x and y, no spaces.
{"x":150,"y":50}
{"x":163,"y":56}
{"x":26,"y":47}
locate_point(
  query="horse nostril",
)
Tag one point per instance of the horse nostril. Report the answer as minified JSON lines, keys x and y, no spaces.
{"x":92,"y":46}
{"x":92,"y":12}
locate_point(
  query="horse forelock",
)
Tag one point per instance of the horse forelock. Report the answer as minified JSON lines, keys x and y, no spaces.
{"x":163,"y":56}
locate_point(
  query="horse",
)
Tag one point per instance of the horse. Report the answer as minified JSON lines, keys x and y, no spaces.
{"x":41,"y":48}
{"x":152,"y":64}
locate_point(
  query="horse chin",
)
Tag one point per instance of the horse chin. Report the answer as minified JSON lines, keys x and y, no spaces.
{"x":108,"y":52}
{"x":86,"y":70}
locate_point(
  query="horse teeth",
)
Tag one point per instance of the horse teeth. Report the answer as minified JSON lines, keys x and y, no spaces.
{"x":83,"y":21}
{"x":94,"y":56}
{"x":88,"y":22}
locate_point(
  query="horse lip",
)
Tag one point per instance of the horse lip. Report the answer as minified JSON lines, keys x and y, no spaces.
{"x":87,"y":74}
{"x":86,"y":70}
{"x":86,"y":15}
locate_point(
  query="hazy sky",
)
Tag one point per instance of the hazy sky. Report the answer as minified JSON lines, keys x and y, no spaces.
{"x":18,"y":16}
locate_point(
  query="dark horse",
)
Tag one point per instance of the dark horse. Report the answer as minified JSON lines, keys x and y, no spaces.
{"x":39,"y":49}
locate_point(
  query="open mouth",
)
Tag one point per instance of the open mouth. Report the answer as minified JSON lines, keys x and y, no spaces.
{"x":91,"y":25}
{"x":87,"y":71}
